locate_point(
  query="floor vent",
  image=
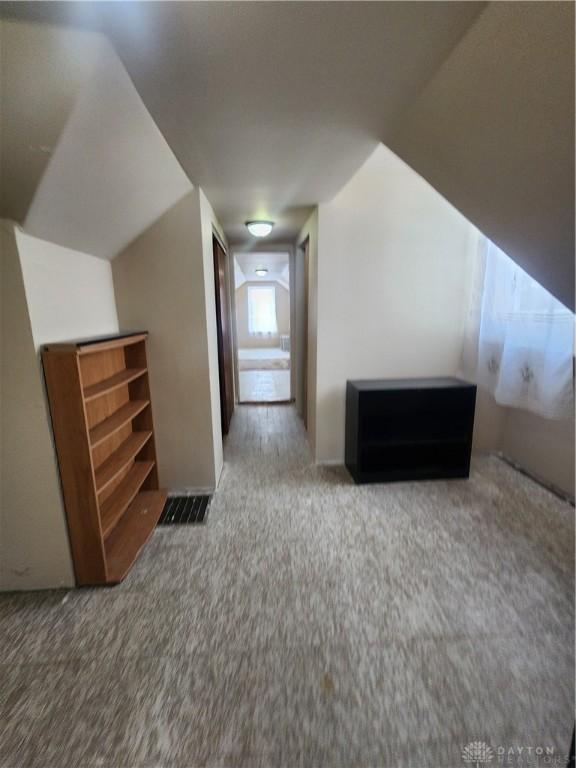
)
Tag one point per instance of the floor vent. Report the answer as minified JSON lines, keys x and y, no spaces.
{"x":180,"y":510}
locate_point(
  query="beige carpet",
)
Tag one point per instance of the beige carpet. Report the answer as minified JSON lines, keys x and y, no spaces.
{"x":309,"y":622}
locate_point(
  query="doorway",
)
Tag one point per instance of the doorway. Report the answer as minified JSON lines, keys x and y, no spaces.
{"x":224,"y":335}
{"x":262,"y":312}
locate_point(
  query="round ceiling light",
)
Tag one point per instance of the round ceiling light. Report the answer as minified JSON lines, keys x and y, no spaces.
{"x":259,"y":228}
{"x":261,"y":271}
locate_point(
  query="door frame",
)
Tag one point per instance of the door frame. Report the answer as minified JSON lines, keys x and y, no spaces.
{"x":225,"y":378}
{"x":301,"y":357}
{"x":232,"y":283}
{"x":289,"y":250}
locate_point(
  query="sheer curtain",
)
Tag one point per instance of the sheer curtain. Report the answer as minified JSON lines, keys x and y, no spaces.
{"x":525,"y":341}
{"x":262,"y":309}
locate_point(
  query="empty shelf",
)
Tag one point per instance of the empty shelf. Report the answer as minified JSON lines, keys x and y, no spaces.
{"x":108,"y":385}
{"x":117,"y":461}
{"x":113,"y":423}
{"x":131,"y":533}
{"x":115,"y":505}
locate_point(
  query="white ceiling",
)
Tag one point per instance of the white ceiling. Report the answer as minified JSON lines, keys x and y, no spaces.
{"x":271,"y":107}
{"x":83,"y":163}
{"x":275,"y":262}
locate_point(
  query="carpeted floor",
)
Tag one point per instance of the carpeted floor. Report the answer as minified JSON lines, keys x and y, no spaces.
{"x":309,"y":623}
{"x":264,"y":386}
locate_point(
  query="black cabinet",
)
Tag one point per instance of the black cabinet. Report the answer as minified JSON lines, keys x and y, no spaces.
{"x":409,"y":429}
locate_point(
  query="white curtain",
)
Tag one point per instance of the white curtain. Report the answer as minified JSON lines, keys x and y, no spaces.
{"x":262,"y":309}
{"x":526,"y":341}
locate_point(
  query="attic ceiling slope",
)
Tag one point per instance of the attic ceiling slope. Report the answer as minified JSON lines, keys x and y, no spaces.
{"x":39,"y":88}
{"x":271,"y":107}
{"x":493,"y":132}
{"x":106,"y":172}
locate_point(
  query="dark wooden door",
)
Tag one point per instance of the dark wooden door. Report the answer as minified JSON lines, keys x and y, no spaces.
{"x":304,"y":357}
{"x":224,"y":330}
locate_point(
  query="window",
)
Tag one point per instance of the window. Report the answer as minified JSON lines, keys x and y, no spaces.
{"x":526,"y":341}
{"x":262,"y":309}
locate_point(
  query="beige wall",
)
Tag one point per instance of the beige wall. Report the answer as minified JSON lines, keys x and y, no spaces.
{"x":49,"y":293}
{"x":247,"y":340}
{"x":493,"y":131}
{"x":164,"y":283}
{"x":542,"y":446}
{"x":393,"y":260}
{"x":34,"y":550}
{"x":397,"y":274}
{"x":70,"y":294}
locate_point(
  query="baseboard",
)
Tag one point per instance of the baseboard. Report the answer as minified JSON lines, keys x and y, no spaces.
{"x":330,"y":463}
{"x":561,"y":494}
{"x":219,"y":477}
{"x":188,"y":491}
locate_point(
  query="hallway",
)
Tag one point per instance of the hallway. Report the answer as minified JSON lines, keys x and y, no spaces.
{"x":309,"y":622}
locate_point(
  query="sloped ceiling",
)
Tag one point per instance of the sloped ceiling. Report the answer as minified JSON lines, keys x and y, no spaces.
{"x":275,"y":262}
{"x":493,"y":131}
{"x":38,"y":94}
{"x":83,"y":163}
{"x":271,"y":107}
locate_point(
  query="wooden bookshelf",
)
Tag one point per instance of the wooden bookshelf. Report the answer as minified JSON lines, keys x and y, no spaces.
{"x":99,"y":397}
{"x":114,"y":382}
{"x":110,"y":426}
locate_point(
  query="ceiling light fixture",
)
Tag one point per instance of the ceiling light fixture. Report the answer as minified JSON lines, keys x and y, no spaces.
{"x":261,"y":272}
{"x":259,"y":228}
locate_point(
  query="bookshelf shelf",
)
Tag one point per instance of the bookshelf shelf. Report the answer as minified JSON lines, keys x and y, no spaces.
{"x":101,"y":412}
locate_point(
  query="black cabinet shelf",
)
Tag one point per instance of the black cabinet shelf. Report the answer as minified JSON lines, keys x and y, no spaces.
{"x":409,"y":429}
{"x":399,"y":442}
